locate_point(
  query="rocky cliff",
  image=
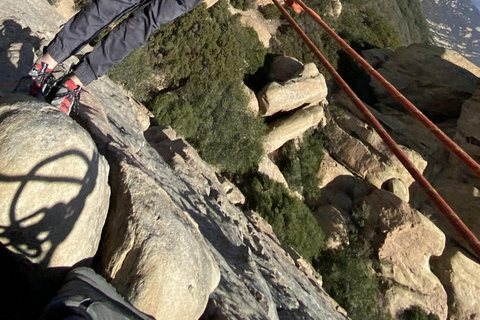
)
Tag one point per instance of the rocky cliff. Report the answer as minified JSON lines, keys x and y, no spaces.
{"x":173,"y":241}
{"x":114,"y":189}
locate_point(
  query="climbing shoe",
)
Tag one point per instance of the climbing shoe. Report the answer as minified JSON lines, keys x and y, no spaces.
{"x":87,"y":295}
{"x":66,"y":96}
{"x":41,"y":75}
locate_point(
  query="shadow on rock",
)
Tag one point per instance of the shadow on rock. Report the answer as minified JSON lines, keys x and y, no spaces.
{"x":30,"y":241}
{"x":17,"y":47}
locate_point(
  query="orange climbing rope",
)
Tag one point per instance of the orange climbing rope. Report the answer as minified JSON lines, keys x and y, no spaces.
{"x":444,"y":139}
{"x":438,"y":201}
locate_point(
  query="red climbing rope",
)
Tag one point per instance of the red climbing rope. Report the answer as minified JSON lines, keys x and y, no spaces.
{"x":444,"y":139}
{"x":438,"y":201}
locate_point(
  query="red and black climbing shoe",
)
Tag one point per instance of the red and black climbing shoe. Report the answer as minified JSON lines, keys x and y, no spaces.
{"x":67,"y":97}
{"x":41,"y":75}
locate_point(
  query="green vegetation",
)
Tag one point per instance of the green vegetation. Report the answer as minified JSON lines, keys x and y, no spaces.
{"x":203,"y":57}
{"x":270,"y":11}
{"x":417,"y":313}
{"x":135,"y":73}
{"x":290,"y":218}
{"x":362,"y":28}
{"x":351,"y":281}
{"x":242,"y":4}
{"x":79,"y":4}
{"x":417,"y":23}
{"x":349,"y":276}
{"x":300,"y":166}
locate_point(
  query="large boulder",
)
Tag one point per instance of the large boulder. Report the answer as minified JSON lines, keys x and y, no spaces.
{"x":293,"y":126}
{"x":356,"y":146}
{"x":153,"y":251}
{"x":305,"y":88}
{"x":459,"y":274}
{"x":54,"y":192}
{"x":468,"y":134}
{"x":434,"y":79}
{"x":334,"y":224}
{"x":284,"y":68}
{"x":405,"y":241}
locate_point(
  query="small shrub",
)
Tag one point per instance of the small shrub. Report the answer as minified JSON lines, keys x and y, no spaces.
{"x":242,"y":4}
{"x":135,"y":74}
{"x":205,"y":54}
{"x":80,"y":4}
{"x":417,"y":313}
{"x":300,"y":166}
{"x":350,"y":280}
{"x":270,"y":12}
{"x":290,"y":218}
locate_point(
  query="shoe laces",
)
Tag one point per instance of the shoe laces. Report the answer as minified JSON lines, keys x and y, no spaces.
{"x":68,"y":97}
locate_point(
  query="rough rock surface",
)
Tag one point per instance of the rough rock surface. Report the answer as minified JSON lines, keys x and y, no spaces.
{"x":252,"y":105}
{"x":258,"y":278}
{"x":268,"y":168}
{"x":408,"y":241}
{"x":334,"y":226}
{"x":468,"y":133}
{"x":284,"y":68}
{"x":293,"y":126}
{"x":307,"y":87}
{"x":459,"y":274}
{"x":355,"y":145}
{"x":254,"y":19}
{"x":398,"y":188}
{"x":330,"y":169}
{"x":435,"y":80}
{"x":152,"y":251}
{"x":50,"y":214}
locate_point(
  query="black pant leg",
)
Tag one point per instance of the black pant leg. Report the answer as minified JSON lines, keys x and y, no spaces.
{"x":86,"y":24}
{"x":129,"y":35}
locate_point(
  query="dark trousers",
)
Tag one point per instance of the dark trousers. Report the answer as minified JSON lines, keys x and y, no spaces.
{"x":130,"y":34}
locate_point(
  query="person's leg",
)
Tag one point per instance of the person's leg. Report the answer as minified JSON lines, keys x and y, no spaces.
{"x":129,"y":35}
{"x":77,"y":32}
{"x":83,"y":27}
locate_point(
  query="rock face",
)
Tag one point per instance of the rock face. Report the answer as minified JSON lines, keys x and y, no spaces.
{"x":459,"y":274}
{"x":355,"y":145}
{"x":468,"y":133}
{"x":268,"y":168}
{"x":50,"y":214}
{"x":435,"y":80}
{"x":284,"y":68}
{"x":153,"y":252}
{"x":334,"y":226}
{"x":308,"y":87}
{"x":288,"y":128}
{"x":408,"y":241}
